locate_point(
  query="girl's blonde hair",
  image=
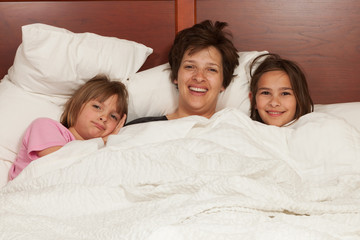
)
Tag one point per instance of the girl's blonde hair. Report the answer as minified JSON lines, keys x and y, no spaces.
{"x":99,"y":88}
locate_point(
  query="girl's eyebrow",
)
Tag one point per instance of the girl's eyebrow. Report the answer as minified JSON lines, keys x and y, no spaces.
{"x":96,"y":101}
{"x":282,"y":88}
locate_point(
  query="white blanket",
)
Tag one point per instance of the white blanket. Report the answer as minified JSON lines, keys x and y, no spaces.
{"x":227,"y":177}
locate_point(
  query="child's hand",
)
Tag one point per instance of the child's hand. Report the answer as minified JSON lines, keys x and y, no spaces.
{"x":117,"y":128}
{"x":120,"y":125}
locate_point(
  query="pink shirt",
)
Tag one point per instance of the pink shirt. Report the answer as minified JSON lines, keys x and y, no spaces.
{"x":41,"y":134}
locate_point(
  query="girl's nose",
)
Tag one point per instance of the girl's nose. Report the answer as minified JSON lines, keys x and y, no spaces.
{"x":274,"y":102}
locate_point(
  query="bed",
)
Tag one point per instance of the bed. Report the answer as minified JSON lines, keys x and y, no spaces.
{"x":227,"y":177}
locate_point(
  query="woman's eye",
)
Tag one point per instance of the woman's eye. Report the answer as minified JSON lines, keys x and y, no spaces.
{"x":213,"y":70}
{"x":286,"y":93}
{"x":188,"y":67}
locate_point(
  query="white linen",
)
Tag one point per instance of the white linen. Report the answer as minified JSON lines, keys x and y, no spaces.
{"x":4,"y":171}
{"x":18,"y":109}
{"x":55,"y":61}
{"x":227,"y":177}
{"x":350,"y":111}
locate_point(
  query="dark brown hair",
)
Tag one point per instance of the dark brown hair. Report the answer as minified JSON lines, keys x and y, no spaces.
{"x":273,"y":62}
{"x":100,"y":88}
{"x":199,"y":37}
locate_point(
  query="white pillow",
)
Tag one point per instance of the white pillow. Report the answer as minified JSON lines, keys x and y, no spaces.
{"x":18,"y":109}
{"x":56,"y":61}
{"x":4,"y":171}
{"x":324,"y":147}
{"x":237,"y":93}
{"x":151,"y":92}
{"x":350,"y":111}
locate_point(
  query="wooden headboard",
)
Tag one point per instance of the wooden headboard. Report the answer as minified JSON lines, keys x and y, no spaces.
{"x":149,"y":22}
{"x":323,"y":36}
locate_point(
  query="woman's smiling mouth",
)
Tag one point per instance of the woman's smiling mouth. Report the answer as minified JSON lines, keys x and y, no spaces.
{"x":198,"y":89}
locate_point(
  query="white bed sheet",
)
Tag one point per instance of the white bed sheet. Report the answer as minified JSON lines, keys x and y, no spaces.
{"x":194,"y":178}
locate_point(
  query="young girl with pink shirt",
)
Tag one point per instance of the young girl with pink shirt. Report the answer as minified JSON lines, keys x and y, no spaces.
{"x":96,"y":110}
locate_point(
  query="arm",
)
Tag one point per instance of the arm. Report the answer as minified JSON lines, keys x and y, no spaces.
{"x":48,"y":151}
{"x":42,"y":137}
{"x":46,"y":136}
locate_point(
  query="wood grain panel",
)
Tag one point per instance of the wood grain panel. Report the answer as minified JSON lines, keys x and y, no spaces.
{"x":323,"y":36}
{"x":185,"y":14}
{"x":149,"y":22}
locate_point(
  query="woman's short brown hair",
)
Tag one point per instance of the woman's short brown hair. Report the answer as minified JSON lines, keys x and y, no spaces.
{"x":273,"y":62}
{"x":100,"y":88}
{"x":199,"y":37}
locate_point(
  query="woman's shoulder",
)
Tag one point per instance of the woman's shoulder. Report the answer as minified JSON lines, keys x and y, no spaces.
{"x":146,"y":119}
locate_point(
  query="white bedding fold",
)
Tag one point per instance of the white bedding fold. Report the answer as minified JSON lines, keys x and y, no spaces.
{"x":223,"y":178}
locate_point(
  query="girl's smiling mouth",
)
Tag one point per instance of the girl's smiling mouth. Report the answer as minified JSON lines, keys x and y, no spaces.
{"x":274,"y":113}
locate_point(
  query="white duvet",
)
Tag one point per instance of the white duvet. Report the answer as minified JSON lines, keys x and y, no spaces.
{"x":193,"y":178}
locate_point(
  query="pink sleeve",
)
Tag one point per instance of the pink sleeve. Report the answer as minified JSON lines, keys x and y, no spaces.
{"x":44,"y":133}
{"x":41,"y":134}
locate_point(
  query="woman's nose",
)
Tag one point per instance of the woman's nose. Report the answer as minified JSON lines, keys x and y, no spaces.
{"x":199,"y":75}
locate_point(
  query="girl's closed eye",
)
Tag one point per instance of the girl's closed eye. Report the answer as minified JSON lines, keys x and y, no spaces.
{"x":96,"y":106}
{"x":115,"y":117}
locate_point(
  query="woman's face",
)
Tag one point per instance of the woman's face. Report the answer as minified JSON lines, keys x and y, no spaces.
{"x":275,"y":99}
{"x":200,"y":80}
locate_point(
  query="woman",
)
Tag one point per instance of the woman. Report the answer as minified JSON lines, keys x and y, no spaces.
{"x":202,"y":61}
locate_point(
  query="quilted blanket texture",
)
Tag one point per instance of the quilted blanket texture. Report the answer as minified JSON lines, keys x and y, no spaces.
{"x":227,"y":177}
